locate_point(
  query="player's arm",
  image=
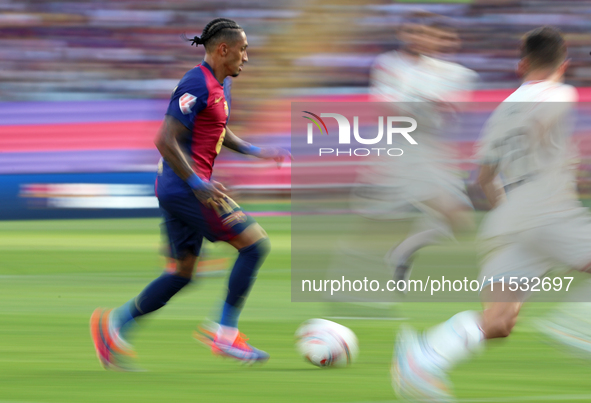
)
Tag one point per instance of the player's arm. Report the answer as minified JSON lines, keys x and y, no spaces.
{"x":487,"y":179}
{"x":167,"y":142}
{"x":235,"y":143}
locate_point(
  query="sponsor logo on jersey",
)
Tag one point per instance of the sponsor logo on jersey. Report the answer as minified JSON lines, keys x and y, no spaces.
{"x":217,"y":100}
{"x":186,"y":102}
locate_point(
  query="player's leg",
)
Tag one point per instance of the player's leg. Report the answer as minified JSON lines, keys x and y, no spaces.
{"x":569,"y":323}
{"x":206,"y":265}
{"x":464,"y":333}
{"x":185,"y":245}
{"x":568,"y":242}
{"x":422,"y":361}
{"x":253,"y":246}
{"x":501,"y":309}
{"x":155,"y":295}
{"x":229,"y":223}
{"x":426,"y":230}
{"x":109,"y":328}
{"x":437,"y":350}
{"x":443,"y":216}
{"x":419,"y":371}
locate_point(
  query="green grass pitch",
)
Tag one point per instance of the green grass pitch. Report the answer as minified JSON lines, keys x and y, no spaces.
{"x":54,"y":273}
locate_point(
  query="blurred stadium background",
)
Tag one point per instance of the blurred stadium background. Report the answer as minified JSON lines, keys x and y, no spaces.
{"x":84,"y":84}
{"x":83,"y":88}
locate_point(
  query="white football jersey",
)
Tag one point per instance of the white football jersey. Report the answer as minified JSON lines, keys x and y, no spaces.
{"x":423,"y":88}
{"x":398,"y":78}
{"x":527,"y":136}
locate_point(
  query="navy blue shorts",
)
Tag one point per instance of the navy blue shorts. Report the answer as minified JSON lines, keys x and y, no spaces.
{"x":187,"y":221}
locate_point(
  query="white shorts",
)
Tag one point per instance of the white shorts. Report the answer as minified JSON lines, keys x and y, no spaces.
{"x":533,"y":252}
{"x":390,"y":196}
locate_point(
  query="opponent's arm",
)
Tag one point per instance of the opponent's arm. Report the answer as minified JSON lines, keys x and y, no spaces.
{"x":235,"y":143}
{"x":494,"y":193}
{"x":167,"y":142}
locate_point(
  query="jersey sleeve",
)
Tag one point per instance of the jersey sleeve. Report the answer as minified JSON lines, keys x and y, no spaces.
{"x":515,"y":126}
{"x":460,"y":81}
{"x":555,"y":106}
{"x":188,"y":99}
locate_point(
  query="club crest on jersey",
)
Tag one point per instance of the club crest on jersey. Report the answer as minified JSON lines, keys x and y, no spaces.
{"x":186,"y":102}
{"x":226,"y":108}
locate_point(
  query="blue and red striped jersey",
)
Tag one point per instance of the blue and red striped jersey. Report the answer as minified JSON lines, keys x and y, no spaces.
{"x":202,"y":105}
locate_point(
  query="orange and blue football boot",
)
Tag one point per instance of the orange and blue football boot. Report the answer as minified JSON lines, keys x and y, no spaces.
{"x":239,"y":350}
{"x":112,"y":351}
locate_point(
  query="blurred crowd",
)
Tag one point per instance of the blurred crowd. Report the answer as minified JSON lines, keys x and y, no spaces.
{"x":89,"y":49}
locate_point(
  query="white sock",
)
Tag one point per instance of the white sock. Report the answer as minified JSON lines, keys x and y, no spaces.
{"x":455,"y":340}
{"x":226,"y":334}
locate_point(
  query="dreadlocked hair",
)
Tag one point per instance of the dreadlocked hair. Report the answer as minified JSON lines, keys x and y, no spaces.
{"x":213,"y":30}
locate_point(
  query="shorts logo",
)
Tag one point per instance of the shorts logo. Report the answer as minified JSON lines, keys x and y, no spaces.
{"x":186,"y":102}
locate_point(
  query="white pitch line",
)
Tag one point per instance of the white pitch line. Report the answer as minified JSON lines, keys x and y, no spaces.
{"x":551,"y":398}
{"x":18,"y":401}
{"x":362,"y":318}
{"x":547,"y":398}
{"x":74,"y":276}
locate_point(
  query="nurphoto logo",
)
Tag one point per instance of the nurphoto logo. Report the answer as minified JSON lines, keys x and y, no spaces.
{"x":345,"y":134}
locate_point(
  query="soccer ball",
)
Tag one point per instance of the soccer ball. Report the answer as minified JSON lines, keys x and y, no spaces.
{"x":326,"y":344}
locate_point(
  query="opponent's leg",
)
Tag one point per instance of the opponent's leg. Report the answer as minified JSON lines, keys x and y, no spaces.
{"x":567,"y":242}
{"x":426,"y":231}
{"x":422,"y":360}
{"x":443,"y":216}
{"x":569,"y":323}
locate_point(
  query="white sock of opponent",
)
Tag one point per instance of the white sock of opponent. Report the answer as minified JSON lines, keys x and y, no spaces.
{"x":453,"y":341}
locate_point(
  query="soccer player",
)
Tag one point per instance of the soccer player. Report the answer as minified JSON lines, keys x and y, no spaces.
{"x":419,"y":82}
{"x":194,"y":206}
{"x":536,"y":221}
